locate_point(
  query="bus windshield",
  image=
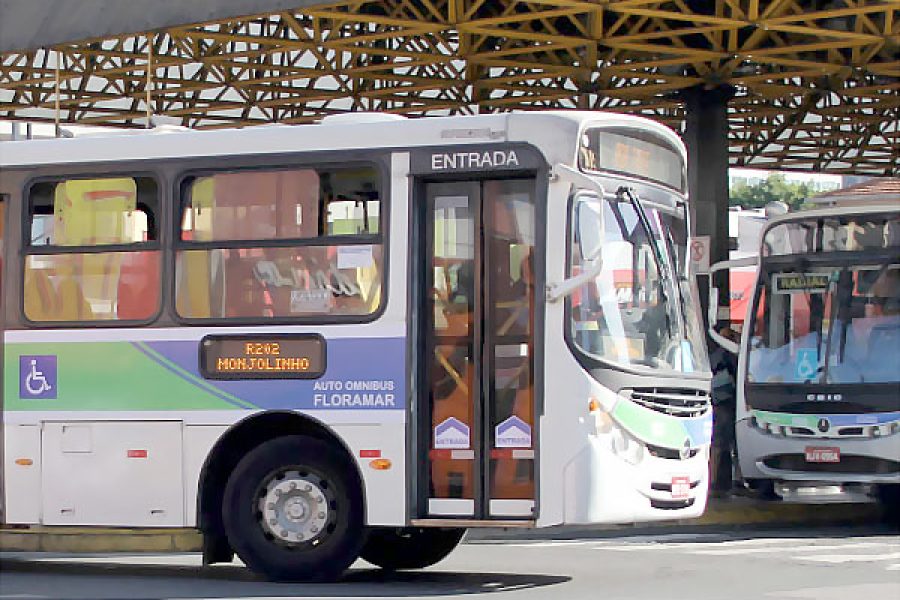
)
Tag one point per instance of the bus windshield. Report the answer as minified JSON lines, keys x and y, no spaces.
{"x":833,"y":324}
{"x":634,"y":313}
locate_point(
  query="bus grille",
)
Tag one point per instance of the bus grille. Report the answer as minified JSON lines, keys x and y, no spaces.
{"x":866,"y":465}
{"x":678,"y":402}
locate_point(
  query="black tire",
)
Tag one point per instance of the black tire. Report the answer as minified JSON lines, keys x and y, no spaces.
{"x":762,"y":489}
{"x":889,"y":497}
{"x":395,"y":549}
{"x":339,"y":536}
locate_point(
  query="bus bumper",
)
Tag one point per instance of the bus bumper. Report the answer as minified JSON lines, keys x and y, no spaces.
{"x":603,"y":487}
{"x":769,"y":456}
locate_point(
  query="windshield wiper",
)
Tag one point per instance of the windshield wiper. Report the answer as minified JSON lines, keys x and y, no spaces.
{"x":661,"y":264}
{"x":635,"y":201}
{"x":839,"y":297}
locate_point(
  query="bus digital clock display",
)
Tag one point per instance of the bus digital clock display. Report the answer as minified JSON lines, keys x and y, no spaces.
{"x":299,"y":356}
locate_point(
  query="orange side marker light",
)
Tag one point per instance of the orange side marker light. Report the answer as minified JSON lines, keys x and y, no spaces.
{"x":380,"y":464}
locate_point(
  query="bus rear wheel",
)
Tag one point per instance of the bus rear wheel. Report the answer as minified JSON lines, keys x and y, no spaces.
{"x":889,"y":496}
{"x":395,"y":549}
{"x":293,"y":510}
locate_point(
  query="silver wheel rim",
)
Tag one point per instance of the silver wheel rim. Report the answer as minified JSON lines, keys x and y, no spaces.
{"x":294,"y":507}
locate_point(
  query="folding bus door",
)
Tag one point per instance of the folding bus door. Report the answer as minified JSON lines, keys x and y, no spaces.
{"x":478,"y":321}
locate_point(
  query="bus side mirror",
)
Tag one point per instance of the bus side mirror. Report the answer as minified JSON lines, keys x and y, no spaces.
{"x":712,"y":316}
{"x":712,"y":311}
{"x":590,"y":225}
{"x":591,"y":230}
{"x":589,"y":215}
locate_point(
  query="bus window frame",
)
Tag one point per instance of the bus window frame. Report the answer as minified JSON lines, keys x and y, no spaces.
{"x":181,"y":197}
{"x":26,"y":249}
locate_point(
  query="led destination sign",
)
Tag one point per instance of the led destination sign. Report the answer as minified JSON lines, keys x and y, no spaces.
{"x":789,"y":283}
{"x":300,"y":356}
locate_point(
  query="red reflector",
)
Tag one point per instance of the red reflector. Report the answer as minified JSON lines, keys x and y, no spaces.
{"x":501,"y":453}
{"x":370,"y":453}
{"x":137,"y":454}
{"x":440,"y":454}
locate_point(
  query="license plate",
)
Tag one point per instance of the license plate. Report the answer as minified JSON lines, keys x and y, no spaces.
{"x":681,"y":487}
{"x":817,"y":454}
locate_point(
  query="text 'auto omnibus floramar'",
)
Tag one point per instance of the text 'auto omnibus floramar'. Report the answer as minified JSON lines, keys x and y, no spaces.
{"x":818,"y":403}
{"x":355,"y":338}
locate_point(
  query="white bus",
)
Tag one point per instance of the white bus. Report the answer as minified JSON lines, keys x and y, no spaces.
{"x":818,"y":389}
{"x":355,"y":338}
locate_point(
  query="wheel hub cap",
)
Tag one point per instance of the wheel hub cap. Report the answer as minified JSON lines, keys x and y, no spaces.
{"x":294,"y":507}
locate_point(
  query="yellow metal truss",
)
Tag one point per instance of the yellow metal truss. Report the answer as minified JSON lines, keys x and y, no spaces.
{"x":817,"y":81}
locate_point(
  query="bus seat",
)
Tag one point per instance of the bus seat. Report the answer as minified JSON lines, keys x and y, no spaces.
{"x":97,"y":276}
{"x":73,"y":306}
{"x":92,"y":211}
{"x":41,"y":300}
{"x":45,"y":302}
{"x":138,"y":290}
{"x":369,"y":282}
{"x":193,"y":287}
{"x":245,"y":295}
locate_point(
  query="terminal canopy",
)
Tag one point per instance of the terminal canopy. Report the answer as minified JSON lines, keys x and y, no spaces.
{"x":816,"y":82}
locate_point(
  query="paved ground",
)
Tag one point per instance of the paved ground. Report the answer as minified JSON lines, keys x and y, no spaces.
{"x":817,"y":564}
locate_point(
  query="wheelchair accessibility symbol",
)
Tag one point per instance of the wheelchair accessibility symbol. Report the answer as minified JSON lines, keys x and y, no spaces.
{"x":37,"y":377}
{"x":807,"y":364}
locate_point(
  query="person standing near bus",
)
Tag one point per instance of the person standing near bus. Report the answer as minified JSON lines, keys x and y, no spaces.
{"x":724,"y":392}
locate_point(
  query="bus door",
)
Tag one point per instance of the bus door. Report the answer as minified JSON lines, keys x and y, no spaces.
{"x":477,"y":392}
{"x":3,"y":265}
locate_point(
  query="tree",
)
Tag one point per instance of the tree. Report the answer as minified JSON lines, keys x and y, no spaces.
{"x":775,"y":187}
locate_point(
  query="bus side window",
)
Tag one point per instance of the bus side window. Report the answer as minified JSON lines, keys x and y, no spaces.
{"x":75,"y":282}
{"x":326,"y":260}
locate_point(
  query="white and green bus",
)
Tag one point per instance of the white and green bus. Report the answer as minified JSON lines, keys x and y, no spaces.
{"x":351,"y":339}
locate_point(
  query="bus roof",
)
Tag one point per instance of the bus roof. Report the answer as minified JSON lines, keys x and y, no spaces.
{"x":342,"y":132}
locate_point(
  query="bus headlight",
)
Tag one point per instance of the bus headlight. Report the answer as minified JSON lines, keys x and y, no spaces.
{"x":882,"y":430}
{"x":626,"y":447}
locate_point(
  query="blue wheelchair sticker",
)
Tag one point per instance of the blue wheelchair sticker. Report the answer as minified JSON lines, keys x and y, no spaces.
{"x":806,"y":364}
{"x":37,"y":377}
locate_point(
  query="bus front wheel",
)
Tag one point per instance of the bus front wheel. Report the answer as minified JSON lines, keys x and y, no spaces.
{"x":395,"y":549}
{"x":293,"y":511}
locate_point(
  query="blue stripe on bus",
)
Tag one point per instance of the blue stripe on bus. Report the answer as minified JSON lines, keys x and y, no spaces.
{"x":361,"y":373}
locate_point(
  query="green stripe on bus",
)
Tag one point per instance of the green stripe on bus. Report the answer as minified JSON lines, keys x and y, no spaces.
{"x":105,"y":376}
{"x":201,"y":383}
{"x":650,"y":426}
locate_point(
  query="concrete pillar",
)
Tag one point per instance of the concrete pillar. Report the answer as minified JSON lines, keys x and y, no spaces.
{"x":706,"y":138}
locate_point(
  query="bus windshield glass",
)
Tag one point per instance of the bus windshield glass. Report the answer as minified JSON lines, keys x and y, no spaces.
{"x":633,"y":312}
{"x":844,"y":233}
{"x":834,"y":324}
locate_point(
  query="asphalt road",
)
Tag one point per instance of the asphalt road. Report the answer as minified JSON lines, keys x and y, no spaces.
{"x":833,"y":564}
